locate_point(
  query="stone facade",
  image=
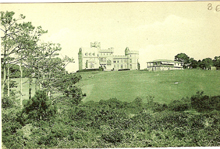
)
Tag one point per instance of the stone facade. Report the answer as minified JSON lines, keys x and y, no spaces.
{"x":95,"y":57}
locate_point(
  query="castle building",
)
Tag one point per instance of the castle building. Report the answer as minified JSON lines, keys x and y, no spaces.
{"x":95,"y":57}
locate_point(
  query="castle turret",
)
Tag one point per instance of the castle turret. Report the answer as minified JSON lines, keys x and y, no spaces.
{"x":80,"y":58}
{"x":126,"y":51}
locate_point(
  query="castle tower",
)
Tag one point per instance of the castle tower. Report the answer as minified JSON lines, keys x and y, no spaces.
{"x":80,"y":58}
{"x":127,"y":55}
{"x":126,"y":51}
{"x":132,"y":59}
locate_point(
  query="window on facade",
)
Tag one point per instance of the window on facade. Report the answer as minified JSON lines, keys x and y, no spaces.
{"x":86,"y":54}
{"x":130,"y":60}
{"x":121,"y":66}
{"x":117,"y":61}
{"x":93,"y":54}
{"x":102,"y":59}
{"x":130,"y":66}
{"x":114,"y":61}
{"x":118,"y":66}
{"x":125,"y":60}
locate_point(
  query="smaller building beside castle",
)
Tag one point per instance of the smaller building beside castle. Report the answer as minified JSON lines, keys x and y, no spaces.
{"x":95,"y":57}
{"x":158,"y":65}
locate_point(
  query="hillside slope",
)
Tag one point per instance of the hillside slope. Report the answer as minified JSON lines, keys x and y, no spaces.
{"x":163,"y":85}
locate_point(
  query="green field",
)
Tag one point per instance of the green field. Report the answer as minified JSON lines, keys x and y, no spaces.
{"x":127,"y":85}
{"x":165,"y":86}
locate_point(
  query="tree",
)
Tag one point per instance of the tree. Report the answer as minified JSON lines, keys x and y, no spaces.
{"x":206,"y":63}
{"x":18,"y":40}
{"x":31,"y":52}
{"x":193,"y":63}
{"x":48,"y":65}
{"x":182,"y":57}
{"x":39,"y":108}
{"x":216,"y":61}
{"x":9,"y":43}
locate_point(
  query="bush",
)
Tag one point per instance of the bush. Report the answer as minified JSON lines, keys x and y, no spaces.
{"x":10,"y":125}
{"x":156,"y":107}
{"x":114,"y":136}
{"x":178,"y":105}
{"x":123,"y":69}
{"x":39,"y":108}
{"x":101,"y":68}
{"x":75,"y":93}
{"x":86,"y":70}
{"x":202,"y":102}
{"x":138,"y":102}
{"x":7,"y":102}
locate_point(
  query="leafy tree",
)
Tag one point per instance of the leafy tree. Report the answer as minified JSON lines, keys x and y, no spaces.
{"x":182,"y":57}
{"x":193,"y":63}
{"x":206,"y":63}
{"x":216,"y":61}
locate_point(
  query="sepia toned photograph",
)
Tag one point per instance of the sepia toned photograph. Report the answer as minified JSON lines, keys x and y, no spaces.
{"x":110,"y":74}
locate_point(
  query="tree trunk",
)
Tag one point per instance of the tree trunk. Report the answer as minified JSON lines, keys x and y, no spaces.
{"x":21,"y":85}
{"x":4,"y":71}
{"x":36,"y":84}
{"x":8,"y":83}
{"x":30,"y":83}
{"x":3,"y":81}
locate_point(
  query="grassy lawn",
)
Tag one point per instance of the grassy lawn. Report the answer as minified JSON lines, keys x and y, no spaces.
{"x":165,"y":86}
{"x":127,"y":85}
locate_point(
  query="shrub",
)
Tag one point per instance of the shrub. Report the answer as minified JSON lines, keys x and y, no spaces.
{"x":86,"y":70}
{"x":101,"y":68}
{"x":138,"y":102}
{"x":202,"y":102}
{"x":157,"y":107}
{"x":114,"y":136}
{"x":39,"y":107}
{"x":178,"y":105}
{"x":75,"y":93}
{"x":123,"y":69}
{"x":10,"y":125}
{"x":7,"y":102}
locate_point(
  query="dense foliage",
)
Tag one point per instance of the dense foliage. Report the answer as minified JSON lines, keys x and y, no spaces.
{"x":111,"y":123}
{"x":205,"y":63}
{"x":38,"y":108}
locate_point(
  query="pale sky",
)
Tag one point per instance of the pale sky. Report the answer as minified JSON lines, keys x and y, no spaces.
{"x":158,"y":30}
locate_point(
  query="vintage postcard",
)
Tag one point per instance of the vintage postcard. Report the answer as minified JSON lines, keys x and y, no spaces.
{"x":110,"y":74}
